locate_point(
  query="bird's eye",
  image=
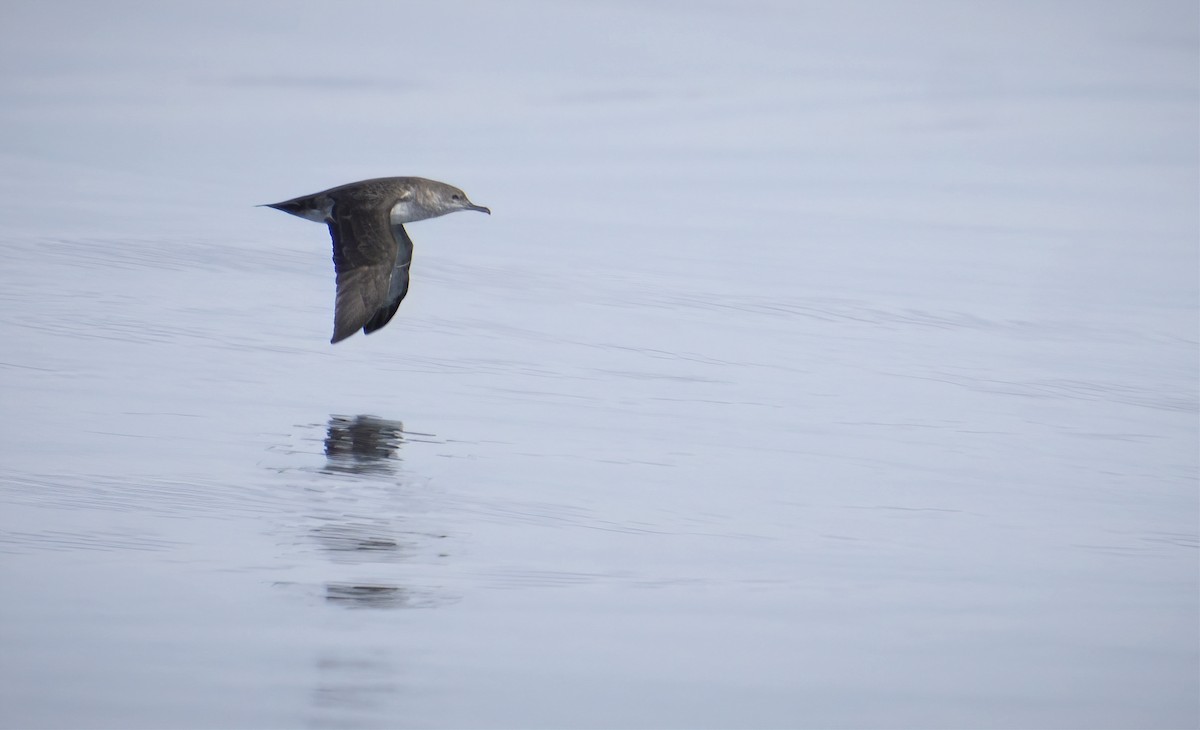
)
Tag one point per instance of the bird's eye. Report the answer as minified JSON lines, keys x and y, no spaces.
{"x":454,"y":197}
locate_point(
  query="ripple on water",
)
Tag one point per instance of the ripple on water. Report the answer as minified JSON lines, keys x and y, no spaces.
{"x":83,"y":539}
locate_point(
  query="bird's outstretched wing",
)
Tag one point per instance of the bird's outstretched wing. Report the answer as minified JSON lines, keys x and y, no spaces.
{"x":365,"y":257}
{"x":398,"y":286}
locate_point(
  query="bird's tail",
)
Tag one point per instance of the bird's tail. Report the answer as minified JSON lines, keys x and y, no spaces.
{"x":313,"y":208}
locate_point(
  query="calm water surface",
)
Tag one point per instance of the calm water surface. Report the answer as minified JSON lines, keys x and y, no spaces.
{"x":822,"y":365}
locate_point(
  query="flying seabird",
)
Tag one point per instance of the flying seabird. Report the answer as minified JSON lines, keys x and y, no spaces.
{"x":371,"y":249}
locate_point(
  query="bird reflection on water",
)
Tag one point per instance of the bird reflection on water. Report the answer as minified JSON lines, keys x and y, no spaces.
{"x":365,"y":517}
{"x":363,"y":445}
{"x":354,"y":595}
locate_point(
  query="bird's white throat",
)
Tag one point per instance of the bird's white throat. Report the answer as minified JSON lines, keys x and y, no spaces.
{"x":407,"y":211}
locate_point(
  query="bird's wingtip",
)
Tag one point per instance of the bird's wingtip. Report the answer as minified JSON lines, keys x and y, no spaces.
{"x":338,"y":335}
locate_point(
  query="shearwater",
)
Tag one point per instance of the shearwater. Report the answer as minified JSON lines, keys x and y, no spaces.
{"x":371,"y":250}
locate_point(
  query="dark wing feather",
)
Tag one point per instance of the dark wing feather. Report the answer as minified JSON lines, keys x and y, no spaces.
{"x":364,"y":255}
{"x":399,"y":282}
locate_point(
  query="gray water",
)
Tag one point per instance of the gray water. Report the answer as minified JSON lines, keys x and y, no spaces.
{"x":822,"y":365}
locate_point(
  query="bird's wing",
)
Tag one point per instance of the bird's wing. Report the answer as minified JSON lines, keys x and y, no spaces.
{"x":399,"y":283}
{"x":364,"y":256}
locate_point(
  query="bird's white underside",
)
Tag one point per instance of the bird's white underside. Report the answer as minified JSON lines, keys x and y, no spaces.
{"x":407,"y":211}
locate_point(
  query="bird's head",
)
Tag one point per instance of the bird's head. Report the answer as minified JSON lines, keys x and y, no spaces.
{"x":448,"y":199}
